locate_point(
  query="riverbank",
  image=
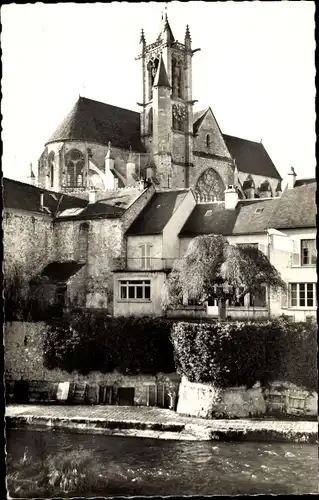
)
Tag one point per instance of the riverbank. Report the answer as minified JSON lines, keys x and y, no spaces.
{"x":157,"y":423}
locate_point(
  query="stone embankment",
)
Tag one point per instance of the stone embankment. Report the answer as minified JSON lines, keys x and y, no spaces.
{"x":157,"y":423}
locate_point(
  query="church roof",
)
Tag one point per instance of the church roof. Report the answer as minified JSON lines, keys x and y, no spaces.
{"x":251,"y":157}
{"x":19,"y":195}
{"x":296,"y":208}
{"x":157,"y":213}
{"x":93,"y":121}
{"x":166,"y":30}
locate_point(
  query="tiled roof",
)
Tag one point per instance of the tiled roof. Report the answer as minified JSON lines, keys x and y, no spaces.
{"x":302,"y":182}
{"x":296,"y":208}
{"x":20,"y":195}
{"x":61,"y":271}
{"x":98,"y":210}
{"x":213,"y":218}
{"x":251,"y":157}
{"x":157,"y":213}
{"x":93,"y":121}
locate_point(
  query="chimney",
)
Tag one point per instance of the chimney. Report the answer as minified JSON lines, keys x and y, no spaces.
{"x":231,"y":198}
{"x":92,"y":196}
{"x":41,"y":200}
{"x":291,"y":178}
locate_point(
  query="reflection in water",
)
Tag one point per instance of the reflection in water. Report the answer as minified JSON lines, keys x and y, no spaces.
{"x":138,"y":466}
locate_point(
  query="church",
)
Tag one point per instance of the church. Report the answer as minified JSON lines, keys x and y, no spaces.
{"x":100,"y":147}
{"x":119,"y":195}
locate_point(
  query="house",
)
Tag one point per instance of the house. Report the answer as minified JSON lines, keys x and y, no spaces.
{"x":120,"y":194}
{"x":284,"y":228}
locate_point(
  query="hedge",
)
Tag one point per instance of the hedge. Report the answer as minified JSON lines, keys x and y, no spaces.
{"x":242,"y":353}
{"x":227,"y":354}
{"x":96,"y":342}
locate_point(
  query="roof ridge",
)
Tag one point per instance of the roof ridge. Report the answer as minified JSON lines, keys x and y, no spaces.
{"x":106,"y":104}
{"x":44,"y":190}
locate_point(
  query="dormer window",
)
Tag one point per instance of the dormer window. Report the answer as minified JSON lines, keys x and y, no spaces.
{"x":208,"y":213}
{"x":259,"y":210}
{"x":208,"y":141}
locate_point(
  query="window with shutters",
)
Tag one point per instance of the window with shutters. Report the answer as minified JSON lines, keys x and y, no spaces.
{"x":135,"y":290}
{"x":145,"y":256}
{"x":308,"y":253}
{"x":302,"y":295}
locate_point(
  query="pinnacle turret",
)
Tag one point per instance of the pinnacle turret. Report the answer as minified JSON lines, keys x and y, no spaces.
{"x":142,"y":39}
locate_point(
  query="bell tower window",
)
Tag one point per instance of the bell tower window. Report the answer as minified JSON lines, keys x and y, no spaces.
{"x":151,"y":70}
{"x":74,"y":168}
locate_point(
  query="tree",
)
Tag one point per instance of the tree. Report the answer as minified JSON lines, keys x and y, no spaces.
{"x":15,"y":292}
{"x":212,"y":267}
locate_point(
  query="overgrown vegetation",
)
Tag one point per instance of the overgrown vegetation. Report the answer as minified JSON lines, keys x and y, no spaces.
{"x":64,"y":473}
{"x":233,"y":354}
{"x":213,"y":268}
{"x":93,"y":341}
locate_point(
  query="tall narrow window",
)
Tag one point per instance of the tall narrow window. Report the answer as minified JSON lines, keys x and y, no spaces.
{"x":208,"y":141}
{"x":51,"y":168}
{"x":145,"y":256}
{"x":83,"y":242}
{"x":52,"y":175}
{"x":150,"y":121}
{"x":308,"y":252}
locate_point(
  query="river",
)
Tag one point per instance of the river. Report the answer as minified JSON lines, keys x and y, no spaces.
{"x":138,"y":466}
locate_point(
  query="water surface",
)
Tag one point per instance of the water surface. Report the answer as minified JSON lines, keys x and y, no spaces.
{"x":139,"y":466}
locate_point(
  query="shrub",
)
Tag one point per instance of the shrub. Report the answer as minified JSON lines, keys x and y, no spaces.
{"x":93,"y":341}
{"x":234,"y":354}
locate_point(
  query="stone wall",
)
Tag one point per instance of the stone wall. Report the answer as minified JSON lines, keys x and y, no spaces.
{"x":28,"y":241}
{"x":279,"y":399}
{"x":24,"y":362}
{"x":285,"y":398}
{"x":208,"y":401}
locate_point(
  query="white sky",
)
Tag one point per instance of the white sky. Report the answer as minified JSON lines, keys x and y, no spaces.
{"x":255,"y":69}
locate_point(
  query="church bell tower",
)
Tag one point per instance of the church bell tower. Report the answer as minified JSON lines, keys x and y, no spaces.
{"x":167,"y":107}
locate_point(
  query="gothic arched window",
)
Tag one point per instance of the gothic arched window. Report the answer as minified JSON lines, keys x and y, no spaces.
{"x":74,"y":162}
{"x":209,"y":186}
{"x":83,"y":242}
{"x":151,"y":70}
{"x":51,"y":168}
